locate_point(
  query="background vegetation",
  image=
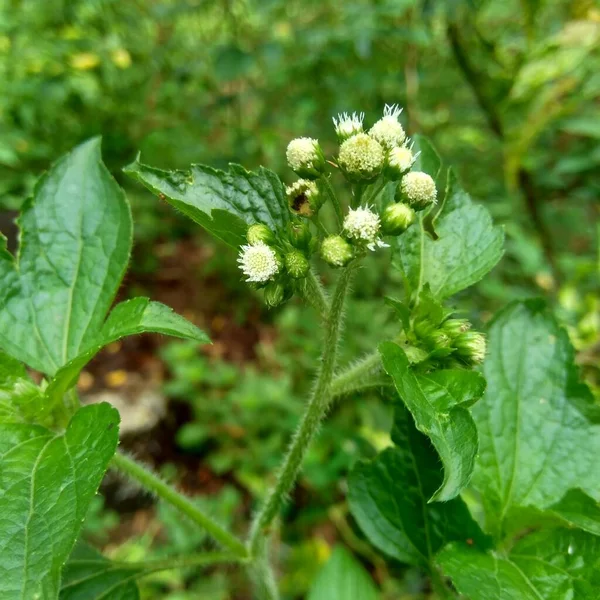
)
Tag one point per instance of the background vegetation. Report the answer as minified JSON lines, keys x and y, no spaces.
{"x":508,"y":91}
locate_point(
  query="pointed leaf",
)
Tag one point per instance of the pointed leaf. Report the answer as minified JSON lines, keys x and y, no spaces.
{"x":223,"y":202}
{"x":90,"y":576}
{"x":467,"y":247}
{"x":46,"y":484}
{"x":75,"y":244}
{"x":551,"y":564}
{"x":343,"y":578}
{"x":577,"y":509}
{"x":389,"y":496}
{"x":536,"y":439}
{"x":449,"y":425}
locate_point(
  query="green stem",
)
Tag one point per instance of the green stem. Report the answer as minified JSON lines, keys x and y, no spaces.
{"x":151,"y":482}
{"x":334,"y":200}
{"x":314,"y":293}
{"x":261,"y":573}
{"x":311,"y":420}
{"x":366,"y":373}
{"x":374,"y":190}
{"x":178,"y":562}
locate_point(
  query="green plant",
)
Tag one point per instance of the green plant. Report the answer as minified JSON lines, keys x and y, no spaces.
{"x":491,"y":494}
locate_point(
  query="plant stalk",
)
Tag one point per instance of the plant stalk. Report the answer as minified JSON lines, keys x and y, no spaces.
{"x":366,"y":373}
{"x":154,"y":484}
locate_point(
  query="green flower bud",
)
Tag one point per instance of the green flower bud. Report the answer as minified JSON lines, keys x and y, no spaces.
{"x":439,"y":340}
{"x":299,"y":235}
{"x":276,"y":293}
{"x":454,"y":327}
{"x":470,"y":346}
{"x":361,"y":158}
{"x":305,"y":157}
{"x":296,"y":264}
{"x":398,"y":162}
{"x":418,"y":190}
{"x":304,"y":198}
{"x":259,"y":233}
{"x":397,"y":218}
{"x":424,"y":328}
{"x":336,"y":251}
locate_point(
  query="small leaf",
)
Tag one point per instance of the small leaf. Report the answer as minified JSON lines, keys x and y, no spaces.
{"x":554,"y":564}
{"x":343,"y":578}
{"x":577,"y":509}
{"x":438,"y":415}
{"x":537,"y":440}
{"x":241,"y":197}
{"x":75,"y":243}
{"x":389,"y":495}
{"x":467,"y":247}
{"x":90,"y":576}
{"x":46,"y":484}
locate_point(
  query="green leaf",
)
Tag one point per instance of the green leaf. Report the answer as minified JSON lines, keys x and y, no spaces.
{"x":551,"y":564}
{"x":439,"y":415}
{"x":468,"y":245}
{"x":90,"y":576}
{"x":225,"y":203}
{"x":536,"y":424}
{"x":428,"y":160}
{"x":46,"y":484}
{"x":343,"y":578}
{"x":389,"y":495}
{"x":577,"y":509}
{"x":75,"y":243}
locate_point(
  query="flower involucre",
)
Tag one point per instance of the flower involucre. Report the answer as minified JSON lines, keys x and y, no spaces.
{"x":304,"y":156}
{"x":258,"y":262}
{"x":388,"y":131}
{"x":419,"y":189}
{"x":361,"y":157}
{"x":303,"y":197}
{"x":362,"y":224}
{"x":348,"y":125}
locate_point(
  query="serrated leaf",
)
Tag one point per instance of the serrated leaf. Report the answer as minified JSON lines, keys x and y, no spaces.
{"x":343,"y":578}
{"x":550,"y":564}
{"x":467,"y":247}
{"x":389,"y":496}
{"x":75,"y":243}
{"x":89,"y":576}
{"x":537,"y":440}
{"x":46,"y":484}
{"x":225,"y":203}
{"x":449,"y":425}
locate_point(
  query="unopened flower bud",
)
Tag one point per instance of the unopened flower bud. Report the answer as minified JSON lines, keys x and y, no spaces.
{"x":399,"y":161}
{"x":299,"y":235}
{"x":348,"y":125}
{"x":470,"y":346}
{"x":388,"y":131}
{"x":259,"y":233}
{"x":454,"y":327}
{"x":296,"y":264}
{"x":304,"y":198}
{"x":439,"y":340}
{"x":275,"y":294}
{"x":424,"y":328}
{"x":361,"y":158}
{"x":397,"y":218}
{"x":418,"y":190}
{"x":336,"y":251}
{"x":305,"y":157}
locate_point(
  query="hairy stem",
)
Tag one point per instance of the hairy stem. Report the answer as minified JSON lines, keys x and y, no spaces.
{"x":334,"y":199}
{"x":311,"y":420}
{"x":314,"y":294}
{"x":366,"y":373}
{"x":154,"y":484}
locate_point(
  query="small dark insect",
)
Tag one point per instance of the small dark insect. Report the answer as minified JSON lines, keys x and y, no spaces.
{"x":162,"y":196}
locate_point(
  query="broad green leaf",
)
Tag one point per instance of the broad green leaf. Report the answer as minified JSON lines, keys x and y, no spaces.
{"x":223,"y":202}
{"x":389,"y":498}
{"x":555,"y":564}
{"x":75,"y":243}
{"x":439,"y":415}
{"x":21,"y":401}
{"x":577,"y":509}
{"x":428,"y":160}
{"x":46,"y":484}
{"x":90,"y":576}
{"x":452,"y":387}
{"x":343,"y":578}
{"x":468,"y":245}
{"x":537,"y":440}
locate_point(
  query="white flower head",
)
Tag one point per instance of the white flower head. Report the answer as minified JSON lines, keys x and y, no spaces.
{"x":401,"y":158}
{"x":305,"y":157}
{"x":419,"y":189}
{"x":388,"y":131}
{"x":258,"y":262}
{"x":361,"y":157}
{"x":347,"y":125}
{"x":363,"y":225}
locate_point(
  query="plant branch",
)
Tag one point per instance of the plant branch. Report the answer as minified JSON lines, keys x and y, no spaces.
{"x":311,"y":420}
{"x":154,"y":484}
{"x":314,"y":293}
{"x":334,"y":199}
{"x":364,"y":374}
